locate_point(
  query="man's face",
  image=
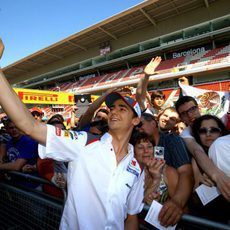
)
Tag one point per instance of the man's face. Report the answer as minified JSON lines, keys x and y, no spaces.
{"x":37,"y":115}
{"x":180,"y":127}
{"x":13,"y":131}
{"x":101,"y":116}
{"x":188,"y":112}
{"x":147,"y":127}
{"x":121,"y":116}
{"x":158,"y":102}
{"x":168,"y":120}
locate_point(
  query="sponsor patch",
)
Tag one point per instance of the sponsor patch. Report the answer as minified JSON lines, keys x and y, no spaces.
{"x":133,"y":168}
{"x":58,"y":131}
{"x":133,"y":162}
{"x":66,"y":134}
{"x":74,"y":134}
{"x":133,"y":171}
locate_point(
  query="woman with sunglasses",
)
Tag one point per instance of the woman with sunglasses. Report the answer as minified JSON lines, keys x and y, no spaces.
{"x":206,"y":129}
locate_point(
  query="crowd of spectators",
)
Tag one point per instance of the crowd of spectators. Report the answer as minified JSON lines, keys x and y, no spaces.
{"x":176,"y":147}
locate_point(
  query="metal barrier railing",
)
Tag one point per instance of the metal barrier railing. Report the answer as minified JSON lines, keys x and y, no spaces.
{"x":32,"y":209}
{"x":194,"y":223}
{"x":28,"y":208}
{"x":32,"y":178}
{"x":203,"y":223}
{"x":24,"y":210}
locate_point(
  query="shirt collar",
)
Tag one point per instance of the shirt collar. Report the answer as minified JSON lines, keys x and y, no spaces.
{"x":107,"y":138}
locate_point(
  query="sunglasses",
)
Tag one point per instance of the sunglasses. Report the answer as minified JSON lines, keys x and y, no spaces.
{"x":212,"y":130}
{"x":190,"y":110}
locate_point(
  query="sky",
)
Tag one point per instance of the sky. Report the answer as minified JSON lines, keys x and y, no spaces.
{"x":27,"y":26}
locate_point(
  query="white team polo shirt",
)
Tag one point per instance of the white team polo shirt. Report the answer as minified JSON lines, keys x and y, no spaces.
{"x":100,"y":192}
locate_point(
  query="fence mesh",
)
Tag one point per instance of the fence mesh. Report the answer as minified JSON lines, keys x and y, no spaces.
{"x":25,"y":210}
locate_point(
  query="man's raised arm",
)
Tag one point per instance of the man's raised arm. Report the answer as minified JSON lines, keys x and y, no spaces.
{"x":143,"y":83}
{"x":17,"y":111}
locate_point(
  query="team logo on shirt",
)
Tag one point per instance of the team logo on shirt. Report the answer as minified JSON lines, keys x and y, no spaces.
{"x":134,"y":168}
{"x":66,"y":134}
{"x":58,"y":131}
{"x":73,"y":135}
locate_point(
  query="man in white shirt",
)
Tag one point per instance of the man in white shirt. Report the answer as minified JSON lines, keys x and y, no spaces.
{"x":105,"y":186}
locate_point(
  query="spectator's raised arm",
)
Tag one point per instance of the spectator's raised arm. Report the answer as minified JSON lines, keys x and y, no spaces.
{"x":143,"y":83}
{"x":88,"y":115}
{"x":17,"y":111}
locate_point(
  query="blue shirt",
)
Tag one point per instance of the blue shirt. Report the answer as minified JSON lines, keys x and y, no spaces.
{"x":175,"y":152}
{"x":24,"y":148}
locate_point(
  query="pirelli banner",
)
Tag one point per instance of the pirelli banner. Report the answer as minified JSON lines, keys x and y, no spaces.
{"x":31,"y":96}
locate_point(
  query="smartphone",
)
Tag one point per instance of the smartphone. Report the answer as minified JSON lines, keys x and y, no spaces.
{"x":159,"y":152}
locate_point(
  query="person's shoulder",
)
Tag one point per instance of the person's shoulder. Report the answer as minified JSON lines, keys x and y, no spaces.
{"x":187,"y":133}
{"x":222,"y":140}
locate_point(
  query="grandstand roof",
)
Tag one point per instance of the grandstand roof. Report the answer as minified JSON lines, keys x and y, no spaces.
{"x":148,"y":13}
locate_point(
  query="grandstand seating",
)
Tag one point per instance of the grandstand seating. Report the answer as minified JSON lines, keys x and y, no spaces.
{"x":197,"y":60}
{"x":65,"y":86}
{"x":169,"y":64}
{"x":217,"y":55}
{"x":214,"y":56}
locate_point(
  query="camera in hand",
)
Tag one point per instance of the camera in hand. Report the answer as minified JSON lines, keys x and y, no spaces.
{"x":159,"y":152}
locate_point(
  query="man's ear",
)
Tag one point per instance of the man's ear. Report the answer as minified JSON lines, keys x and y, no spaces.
{"x":136,"y":121}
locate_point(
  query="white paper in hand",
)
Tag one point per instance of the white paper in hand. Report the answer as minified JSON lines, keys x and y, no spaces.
{"x":206,"y":193}
{"x":152,"y":216}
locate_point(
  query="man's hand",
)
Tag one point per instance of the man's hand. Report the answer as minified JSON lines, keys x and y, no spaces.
{"x":223,"y":184}
{"x":205,"y":179}
{"x":150,"y":68}
{"x":1,"y":48}
{"x":170,"y":213}
{"x":29,"y":168}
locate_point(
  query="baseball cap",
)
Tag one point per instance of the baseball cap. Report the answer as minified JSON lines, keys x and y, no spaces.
{"x":112,"y":97}
{"x":36,"y":109}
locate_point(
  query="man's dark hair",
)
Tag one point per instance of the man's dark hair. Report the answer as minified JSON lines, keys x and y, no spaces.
{"x":148,"y":117}
{"x":157,"y":93}
{"x":56,"y":117}
{"x":183,"y":100}
{"x":7,"y":122}
{"x":101,"y":125}
{"x":103,"y":111}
